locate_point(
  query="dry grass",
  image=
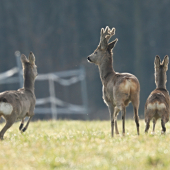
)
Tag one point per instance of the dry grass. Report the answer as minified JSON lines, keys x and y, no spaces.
{"x":83,"y":145}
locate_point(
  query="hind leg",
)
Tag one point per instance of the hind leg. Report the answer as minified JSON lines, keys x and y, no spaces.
{"x":154,"y":123}
{"x":136,"y":119}
{"x":147,"y":120}
{"x":163,"y":121}
{"x":163,"y":126}
{"x":8,"y":124}
{"x":135,"y":103}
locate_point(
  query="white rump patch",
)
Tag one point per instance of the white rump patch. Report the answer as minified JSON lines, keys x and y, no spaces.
{"x":156,"y":105}
{"x":6,"y":108}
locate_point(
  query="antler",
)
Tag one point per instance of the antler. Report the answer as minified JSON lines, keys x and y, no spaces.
{"x":105,"y":36}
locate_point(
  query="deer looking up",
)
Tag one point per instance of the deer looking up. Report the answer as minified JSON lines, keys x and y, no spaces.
{"x":118,"y":88}
{"x":157,"y":104}
{"x":16,"y":105}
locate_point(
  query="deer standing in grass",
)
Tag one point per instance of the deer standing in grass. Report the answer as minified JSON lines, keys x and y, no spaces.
{"x":157,"y":104}
{"x":118,"y":88}
{"x":16,"y":105}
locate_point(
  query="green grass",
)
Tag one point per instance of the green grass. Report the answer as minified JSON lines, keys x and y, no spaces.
{"x":83,"y":145}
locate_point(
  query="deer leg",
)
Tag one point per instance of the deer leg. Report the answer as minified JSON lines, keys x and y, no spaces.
{"x":116,"y":111}
{"x":116,"y":128}
{"x":135,"y":103}
{"x":26,"y":126}
{"x":111,"y":110}
{"x":147,"y":125}
{"x":163,"y":126}
{"x":22,"y":124}
{"x":136,"y":119}
{"x":123,"y":119}
{"x":154,"y":122}
{"x":5,"y":128}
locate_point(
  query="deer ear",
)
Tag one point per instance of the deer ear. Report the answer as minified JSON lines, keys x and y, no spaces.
{"x":112,"y":44}
{"x":166,"y":62}
{"x":157,"y":61}
{"x":31,"y":58}
{"x":24,"y":59}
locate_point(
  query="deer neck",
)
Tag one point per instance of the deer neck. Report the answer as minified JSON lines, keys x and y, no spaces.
{"x":161,"y":80}
{"x":106,"y":69}
{"x":29,"y":83}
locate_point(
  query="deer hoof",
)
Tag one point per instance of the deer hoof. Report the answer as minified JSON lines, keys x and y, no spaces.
{"x":152,"y":133}
{"x":1,"y":138}
{"x":21,"y":126}
{"x":24,"y":129}
{"x":162,"y":133}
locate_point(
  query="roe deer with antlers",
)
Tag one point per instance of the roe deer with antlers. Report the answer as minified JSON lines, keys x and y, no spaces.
{"x":16,"y":105}
{"x":157,"y":104}
{"x":118,"y":88}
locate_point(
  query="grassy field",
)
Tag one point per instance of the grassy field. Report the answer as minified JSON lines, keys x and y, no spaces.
{"x":83,"y":145}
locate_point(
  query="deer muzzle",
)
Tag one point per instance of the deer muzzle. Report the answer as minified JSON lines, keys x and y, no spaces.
{"x":89,"y":60}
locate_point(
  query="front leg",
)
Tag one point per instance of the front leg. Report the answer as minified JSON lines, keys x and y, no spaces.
{"x":116,"y":127}
{"x":123,"y":119}
{"x":22,"y":124}
{"x":25,"y":128}
{"x":113,"y":111}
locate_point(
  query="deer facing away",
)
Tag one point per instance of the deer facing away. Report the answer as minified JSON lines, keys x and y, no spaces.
{"x":157,"y":104}
{"x":16,"y":105}
{"x":118,"y":88}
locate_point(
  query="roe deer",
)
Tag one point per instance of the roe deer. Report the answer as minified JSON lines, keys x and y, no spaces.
{"x":16,"y":105}
{"x":157,"y":104}
{"x":118,"y":88}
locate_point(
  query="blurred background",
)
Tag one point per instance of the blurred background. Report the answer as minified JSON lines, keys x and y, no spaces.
{"x":63,"y":33}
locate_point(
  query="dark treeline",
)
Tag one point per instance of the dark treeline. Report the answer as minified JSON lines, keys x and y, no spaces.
{"x":63,"y":33}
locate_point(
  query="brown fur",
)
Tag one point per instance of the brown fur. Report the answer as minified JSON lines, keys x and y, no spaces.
{"x":157,"y":104}
{"x":118,"y":88}
{"x":22,"y":100}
